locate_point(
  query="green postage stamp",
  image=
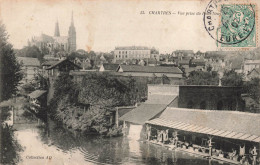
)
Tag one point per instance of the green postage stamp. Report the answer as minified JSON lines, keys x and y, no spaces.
{"x":233,"y":25}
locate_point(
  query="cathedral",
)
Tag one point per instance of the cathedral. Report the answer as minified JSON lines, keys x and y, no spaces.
{"x":57,"y":43}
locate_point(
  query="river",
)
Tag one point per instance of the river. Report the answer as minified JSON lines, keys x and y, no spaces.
{"x":53,"y":144}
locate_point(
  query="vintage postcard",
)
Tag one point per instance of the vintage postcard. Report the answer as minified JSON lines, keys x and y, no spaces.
{"x":129,"y":82}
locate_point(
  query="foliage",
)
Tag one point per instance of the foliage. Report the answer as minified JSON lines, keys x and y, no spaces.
{"x":9,"y":67}
{"x":231,"y":78}
{"x":252,"y":87}
{"x":41,"y":81}
{"x":31,"y":51}
{"x":104,"y":90}
{"x":63,"y":87}
{"x":203,"y":78}
{"x":9,"y":145}
{"x":27,"y":88}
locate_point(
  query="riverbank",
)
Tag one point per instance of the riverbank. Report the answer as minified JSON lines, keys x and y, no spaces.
{"x":68,"y":147}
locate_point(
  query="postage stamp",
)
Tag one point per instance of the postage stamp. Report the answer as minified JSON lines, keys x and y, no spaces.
{"x":232,"y":24}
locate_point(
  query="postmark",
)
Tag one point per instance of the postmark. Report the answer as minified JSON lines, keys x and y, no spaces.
{"x":231,"y":24}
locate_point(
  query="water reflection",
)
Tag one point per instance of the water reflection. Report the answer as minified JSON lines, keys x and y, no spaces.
{"x":68,"y":147}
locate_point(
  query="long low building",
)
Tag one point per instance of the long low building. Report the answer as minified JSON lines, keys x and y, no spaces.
{"x":150,"y":71}
{"x":230,"y":136}
{"x":226,"y":124}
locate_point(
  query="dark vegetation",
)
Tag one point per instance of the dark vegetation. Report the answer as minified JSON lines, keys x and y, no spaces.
{"x":10,"y":77}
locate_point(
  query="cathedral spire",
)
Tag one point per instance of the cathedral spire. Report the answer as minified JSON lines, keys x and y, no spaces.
{"x":72,"y":20}
{"x":57,"y":30}
{"x":72,"y":35}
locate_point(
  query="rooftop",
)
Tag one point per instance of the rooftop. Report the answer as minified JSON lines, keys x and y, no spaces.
{"x":229,"y":124}
{"x":112,"y":67}
{"x":132,"y":48}
{"x":150,"y":69}
{"x":49,"y":63}
{"x":37,"y":93}
{"x":143,"y":113}
{"x":60,"y":62}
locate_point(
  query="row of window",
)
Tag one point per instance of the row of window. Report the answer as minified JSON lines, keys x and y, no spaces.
{"x":136,"y":56}
{"x":134,"y":52}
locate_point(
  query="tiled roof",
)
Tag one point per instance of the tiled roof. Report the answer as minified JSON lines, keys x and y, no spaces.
{"x":184,"y":51}
{"x":150,"y":69}
{"x":37,"y":93}
{"x":112,"y":67}
{"x":184,"y":62}
{"x":123,"y":110}
{"x":230,"y":124}
{"x":143,"y":113}
{"x":255,"y":69}
{"x":60,"y":62}
{"x":198,"y":62}
{"x":28,"y":61}
{"x":49,"y":63}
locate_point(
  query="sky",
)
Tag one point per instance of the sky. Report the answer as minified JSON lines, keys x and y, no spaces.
{"x":101,"y":25}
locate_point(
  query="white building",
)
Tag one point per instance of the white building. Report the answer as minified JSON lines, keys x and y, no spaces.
{"x":132,"y":52}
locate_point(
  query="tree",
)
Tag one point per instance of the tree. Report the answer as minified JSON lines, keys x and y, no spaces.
{"x":252,"y":88}
{"x":9,"y":79}
{"x":31,"y":51}
{"x":232,"y":78}
{"x":203,"y":78}
{"x":9,"y":67}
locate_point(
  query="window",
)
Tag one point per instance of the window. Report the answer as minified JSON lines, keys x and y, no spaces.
{"x":203,"y":105}
{"x":119,"y":52}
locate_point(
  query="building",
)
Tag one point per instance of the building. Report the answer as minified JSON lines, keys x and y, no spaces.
{"x":47,"y":64}
{"x":249,"y":65}
{"x":30,"y":67}
{"x":133,"y":52}
{"x":220,"y":135}
{"x":150,"y":71}
{"x":53,"y":44}
{"x":106,"y":67}
{"x":184,"y":96}
{"x":61,"y":66}
{"x":184,"y":63}
{"x":183,"y":53}
{"x":255,"y":73}
{"x":198,"y":120}
{"x":199,"y":64}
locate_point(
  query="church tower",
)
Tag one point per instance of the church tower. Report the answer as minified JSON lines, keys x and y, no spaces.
{"x":72,"y":36}
{"x":57,"y":30}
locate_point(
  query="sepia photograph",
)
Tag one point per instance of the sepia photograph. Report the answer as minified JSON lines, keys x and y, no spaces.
{"x":131,"y":82}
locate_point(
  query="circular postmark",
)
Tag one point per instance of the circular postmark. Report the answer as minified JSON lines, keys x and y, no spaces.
{"x":229,"y":23}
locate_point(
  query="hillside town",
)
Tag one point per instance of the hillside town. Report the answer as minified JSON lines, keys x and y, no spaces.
{"x":201,"y":103}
